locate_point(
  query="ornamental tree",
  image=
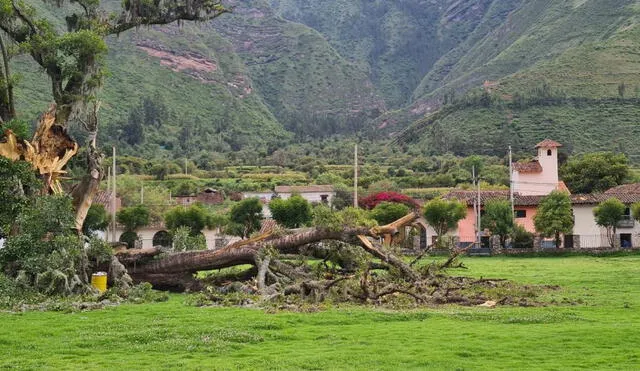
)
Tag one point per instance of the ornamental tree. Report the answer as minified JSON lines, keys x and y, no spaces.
{"x":444,"y":215}
{"x":554,"y":216}
{"x":294,"y":212}
{"x":245,"y":217}
{"x":498,"y":218}
{"x":387,"y":212}
{"x":195,"y":217}
{"x":608,"y":214}
{"x":373,"y":200}
{"x":133,"y":217}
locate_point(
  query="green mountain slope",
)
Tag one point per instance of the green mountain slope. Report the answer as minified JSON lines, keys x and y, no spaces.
{"x":305,"y":82}
{"x":274,"y":70}
{"x":398,"y":42}
{"x":226,"y":85}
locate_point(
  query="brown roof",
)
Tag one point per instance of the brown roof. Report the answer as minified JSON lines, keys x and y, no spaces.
{"x":548,"y":143}
{"x":562,"y":186}
{"x":532,"y":166}
{"x":625,"y":188}
{"x":104,"y":198}
{"x":522,"y":200}
{"x":594,"y":199}
{"x":469,"y":197}
{"x":304,"y":189}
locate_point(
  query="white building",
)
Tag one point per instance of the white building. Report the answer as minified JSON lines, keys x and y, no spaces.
{"x":539,"y":176}
{"x":315,"y":194}
{"x":592,"y":235}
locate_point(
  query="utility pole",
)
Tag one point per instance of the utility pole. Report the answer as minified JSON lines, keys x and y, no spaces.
{"x":511,"y":183}
{"x":108,"y":231}
{"x":479,"y":211}
{"x":142,"y":195}
{"x":475,"y":202}
{"x":185,"y":166}
{"x":113,"y":196}
{"x":355,"y":177}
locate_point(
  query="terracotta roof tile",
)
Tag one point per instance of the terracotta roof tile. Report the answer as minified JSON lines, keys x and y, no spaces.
{"x":562,"y":186}
{"x":594,"y":199}
{"x":625,"y":188}
{"x":102,"y":197}
{"x":469,"y":197}
{"x":527,"y":167}
{"x":548,"y":143}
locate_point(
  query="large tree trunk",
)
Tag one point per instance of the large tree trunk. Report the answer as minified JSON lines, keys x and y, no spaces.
{"x":142,"y":266}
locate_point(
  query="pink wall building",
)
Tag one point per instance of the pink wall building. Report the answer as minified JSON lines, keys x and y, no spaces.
{"x":531,"y":181}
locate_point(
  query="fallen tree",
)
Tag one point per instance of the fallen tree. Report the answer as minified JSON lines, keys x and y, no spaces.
{"x":280,"y":269}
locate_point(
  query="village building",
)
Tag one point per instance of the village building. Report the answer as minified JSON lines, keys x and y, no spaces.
{"x":535,"y":179}
{"x":208,"y":196}
{"x":315,"y":194}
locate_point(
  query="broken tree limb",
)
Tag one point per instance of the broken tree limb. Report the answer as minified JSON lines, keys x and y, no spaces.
{"x":141,"y":267}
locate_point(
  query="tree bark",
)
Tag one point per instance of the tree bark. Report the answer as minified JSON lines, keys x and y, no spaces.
{"x":158,"y":272}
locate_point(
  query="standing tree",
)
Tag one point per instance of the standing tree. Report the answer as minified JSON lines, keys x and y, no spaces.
{"x":245,"y":217}
{"x":387,"y":212}
{"x":195,"y":217}
{"x":73,"y":60}
{"x":595,"y":172}
{"x":444,"y":215}
{"x":294,"y":212}
{"x":132,"y":218}
{"x":498,"y":218}
{"x":97,"y":219}
{"x":608,"y":214}
{"x":635,"y":211}
{"x":554,"y":216}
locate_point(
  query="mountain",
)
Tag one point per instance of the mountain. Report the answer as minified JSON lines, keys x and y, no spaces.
{"x":465,"y":76}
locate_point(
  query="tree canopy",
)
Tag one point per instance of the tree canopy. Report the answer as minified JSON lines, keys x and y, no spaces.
{"x":196,"y":217}
{"x":595,"y":172}
{"x":498,"y":218}
{"x":387,"y":212}
{"x":97,"y":219}
{"x":608,"y":214}
{"x":245,"y":217}
{"x":294,"y":212}
{"x":554,"y":216}
{"x":133,"y":217}
{"x":444,"y":215}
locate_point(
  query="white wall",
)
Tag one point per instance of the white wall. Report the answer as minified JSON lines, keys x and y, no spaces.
{"x":592,"y":235}
{"x":146,"y":235}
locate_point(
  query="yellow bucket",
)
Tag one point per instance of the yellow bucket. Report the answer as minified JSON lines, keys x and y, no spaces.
{"x":99,"y":281}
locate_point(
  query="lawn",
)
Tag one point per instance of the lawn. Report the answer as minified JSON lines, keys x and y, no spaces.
{"x":595,"y":325}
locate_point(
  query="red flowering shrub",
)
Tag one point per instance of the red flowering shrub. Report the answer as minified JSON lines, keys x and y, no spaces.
{"x":372,"y":201}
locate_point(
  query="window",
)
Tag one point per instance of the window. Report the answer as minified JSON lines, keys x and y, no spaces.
{"x":521,"y":213}
{"x":549,"y":152}
{"x":324,"y":198}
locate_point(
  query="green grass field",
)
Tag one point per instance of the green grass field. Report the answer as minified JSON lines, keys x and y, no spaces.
{"x":594,"y":326}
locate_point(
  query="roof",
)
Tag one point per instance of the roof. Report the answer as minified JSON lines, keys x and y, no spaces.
{"x":304,"y":189}
{"x":469,"y":197}
{"x":102,"y":197}
{"x":625,"y":188}
{"x":532,"y":166}
{"x":548,"y":143}
{"x":594,"y":199}
{"x":562,"y":186}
